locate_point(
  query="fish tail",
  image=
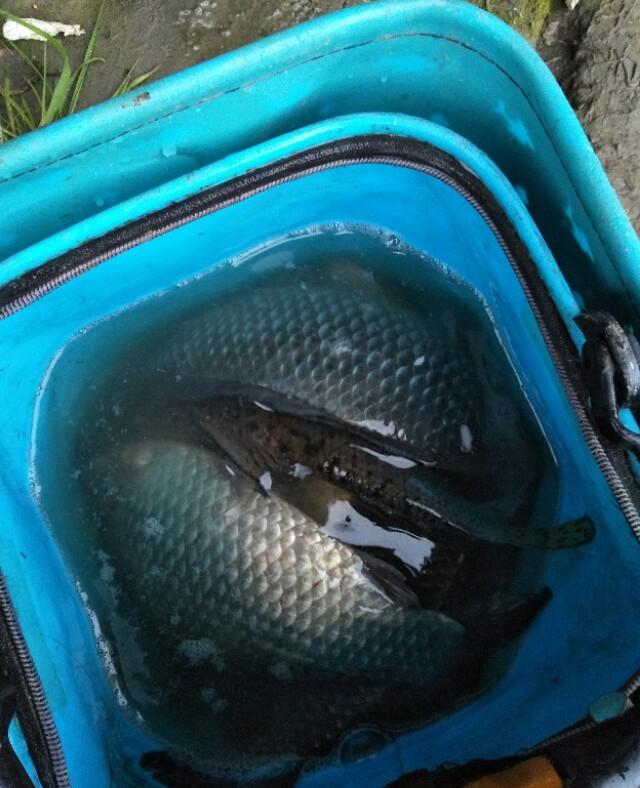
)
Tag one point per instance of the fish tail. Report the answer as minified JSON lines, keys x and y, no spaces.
{"x":573,"y":533}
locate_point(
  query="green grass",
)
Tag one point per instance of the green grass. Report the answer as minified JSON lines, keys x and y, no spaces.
{"x":43,"y":99}
{"x":526,"y":16}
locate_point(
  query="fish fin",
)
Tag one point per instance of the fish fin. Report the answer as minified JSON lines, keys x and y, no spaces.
{"x":432,"y":583}
{"x":491,"y":627}
{"x":486,"y":523}
{"x":573,"y":533}
{"x":389,"y":580}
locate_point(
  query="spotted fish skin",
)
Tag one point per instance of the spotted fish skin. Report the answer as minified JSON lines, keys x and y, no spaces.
{"x":363,"y":358}
{"x":199,"y":562}
{"x":266,"y":433}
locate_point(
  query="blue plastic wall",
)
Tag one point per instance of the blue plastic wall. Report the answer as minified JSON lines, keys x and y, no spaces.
{"x":398,"y":63}
{"x":434,"y":59}
{"x":582,"y":646}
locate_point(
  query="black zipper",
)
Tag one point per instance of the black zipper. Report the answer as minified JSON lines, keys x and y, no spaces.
{"x":373,"y":149}
{"x":32,"y":708}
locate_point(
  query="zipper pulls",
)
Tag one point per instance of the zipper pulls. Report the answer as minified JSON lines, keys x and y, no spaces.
{"x":611,"y":362}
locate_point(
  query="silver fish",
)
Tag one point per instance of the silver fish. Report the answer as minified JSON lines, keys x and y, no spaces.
{"x":246,"y":598}
{"x":240,"y":596}
{"x":341,"y":343}
{"x":258,"y":576}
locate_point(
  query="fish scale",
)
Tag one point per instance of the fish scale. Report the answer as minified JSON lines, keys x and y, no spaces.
{"x":264,"y":579}
{"x":338,"y":350}
{"x":201,"y":558}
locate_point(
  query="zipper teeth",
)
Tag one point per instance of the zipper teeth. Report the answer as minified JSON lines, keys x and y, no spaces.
{"x":39,"y":291}
{"x":34,"y":688}
{"x":594,"y":445}
{"x":616,"y":485}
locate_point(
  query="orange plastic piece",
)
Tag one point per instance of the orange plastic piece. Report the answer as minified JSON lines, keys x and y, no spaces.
{"x":534,"y":773}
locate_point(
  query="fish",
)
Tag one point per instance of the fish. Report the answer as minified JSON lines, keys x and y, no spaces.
{"x":266,"y":580}
{"x":289,"y":445}
{"x":334,"y":337}
{"x":242,"y":595}
{"x":221,"y":599}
